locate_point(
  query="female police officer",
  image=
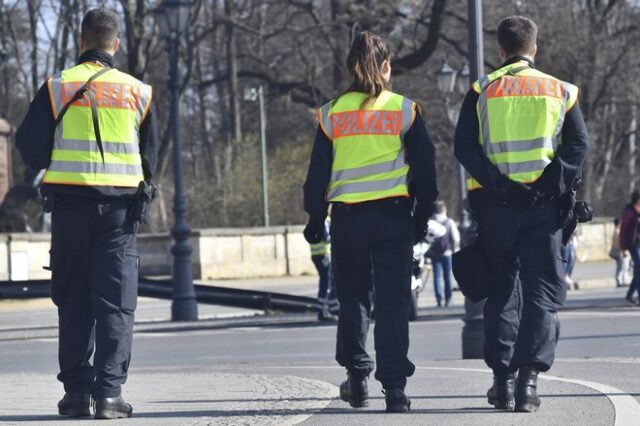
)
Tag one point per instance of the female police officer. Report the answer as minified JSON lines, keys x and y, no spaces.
{"x":372,"y":159}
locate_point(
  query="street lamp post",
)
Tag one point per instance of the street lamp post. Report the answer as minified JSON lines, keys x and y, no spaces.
{"x":448,"y":81}
{"x":472,"y":331}
{"x":254,"y":94}
{"x":172,"y":17}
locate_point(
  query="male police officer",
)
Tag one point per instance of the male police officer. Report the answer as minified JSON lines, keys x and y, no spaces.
{"x":92,"y":128}
{"x":522,"y":139}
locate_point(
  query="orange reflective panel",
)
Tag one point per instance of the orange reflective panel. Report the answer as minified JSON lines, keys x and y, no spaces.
{"x":107,"y":94}
{"x":525,"y":86}
{"x":353,"y":123}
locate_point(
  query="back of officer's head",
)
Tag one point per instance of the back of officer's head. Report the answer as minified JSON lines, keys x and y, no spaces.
{"x":517,"y":35}
{"x":100,"y":29}
{"x":635,"y":197}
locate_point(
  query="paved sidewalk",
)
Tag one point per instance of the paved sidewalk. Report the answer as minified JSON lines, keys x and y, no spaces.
{"x":442,"y":392}
{"x":187,"y":397}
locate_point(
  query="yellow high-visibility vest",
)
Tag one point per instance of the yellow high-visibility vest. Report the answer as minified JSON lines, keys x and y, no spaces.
{"x":368,"y":152}
{"x":521,"y":112}
{"x":122,"y":104}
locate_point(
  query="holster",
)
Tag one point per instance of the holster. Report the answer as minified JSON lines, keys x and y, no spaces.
{"x":144,"y":197}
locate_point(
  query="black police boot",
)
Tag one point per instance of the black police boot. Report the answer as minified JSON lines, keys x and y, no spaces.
{"x":397,"y":401}
{"x":112,"y":408}
{"x":500,"y":395}
{"x":75,"y":405}
{"x":526,"y":394}
{"x":354,"y":390}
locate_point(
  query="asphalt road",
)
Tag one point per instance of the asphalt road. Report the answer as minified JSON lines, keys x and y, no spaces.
{"x":598,"y":345}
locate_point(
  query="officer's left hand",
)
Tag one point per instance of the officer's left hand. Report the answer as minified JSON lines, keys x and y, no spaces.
{"x":314,"y":231}
{"x":522,"y":196}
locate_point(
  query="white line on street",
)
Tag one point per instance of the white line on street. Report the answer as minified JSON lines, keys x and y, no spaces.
{"x":626,"y":408}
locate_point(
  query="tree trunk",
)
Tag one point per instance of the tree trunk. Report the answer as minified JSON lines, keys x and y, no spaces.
{"x":232,"y":66}
{"x":339,"y":52}
{"x":134,"y":17}
{"x":32,"y":8}
{"x":633,"y":150}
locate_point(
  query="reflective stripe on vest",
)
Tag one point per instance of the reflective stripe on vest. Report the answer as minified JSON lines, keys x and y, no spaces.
{"x":368,"y":151}
{"x":521,"y":118}
{"x":320,"y":249}
{"x":123,"y":102}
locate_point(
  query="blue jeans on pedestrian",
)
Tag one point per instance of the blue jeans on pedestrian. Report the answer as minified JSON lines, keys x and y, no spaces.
{"x":635,"y":256}
{"x":569,"y":256}
{"x":442,"y":269}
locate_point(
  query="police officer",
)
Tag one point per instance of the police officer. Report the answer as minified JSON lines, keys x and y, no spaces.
{"x":371,"y":159}
{"x":522,"y":139}
{"x":321,"y":258}
{"x":98,"y":142}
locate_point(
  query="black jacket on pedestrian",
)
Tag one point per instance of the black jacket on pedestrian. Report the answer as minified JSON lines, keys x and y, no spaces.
{"x":35,"y":136}
{"x":557,"y":177}
{"x":420,"y":155}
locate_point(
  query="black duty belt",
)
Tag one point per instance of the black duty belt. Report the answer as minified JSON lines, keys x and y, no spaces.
{"x":385,"y":202}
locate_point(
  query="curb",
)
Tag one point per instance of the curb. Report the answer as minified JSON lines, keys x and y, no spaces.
{"x":282,"y":319}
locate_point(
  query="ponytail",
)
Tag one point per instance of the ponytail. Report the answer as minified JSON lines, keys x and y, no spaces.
{"x":364,"y":64}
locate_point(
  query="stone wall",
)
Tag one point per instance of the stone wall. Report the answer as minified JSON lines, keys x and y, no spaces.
{"x":232,"y":253}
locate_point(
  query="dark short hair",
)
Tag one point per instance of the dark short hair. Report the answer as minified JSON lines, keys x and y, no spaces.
{"x":517,"y":35}
{"x":99,"y":28}
{"x":440,"y":207}
{"x":635,"y":196}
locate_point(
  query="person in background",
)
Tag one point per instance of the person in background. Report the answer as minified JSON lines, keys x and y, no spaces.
{"x":321,"y":258}
{"x":622,"y":260}
{"x":630,"y":239}
{"x":569,"y":256}
{"x":440,"y":253}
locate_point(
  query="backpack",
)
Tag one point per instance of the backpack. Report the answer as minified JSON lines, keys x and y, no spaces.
{"x":441,"y":244}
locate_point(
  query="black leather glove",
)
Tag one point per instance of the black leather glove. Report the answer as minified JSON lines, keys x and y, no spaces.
{"x":420,"y":229}
{"x":583,"y":212}
{"x":522,"y":196}
{"x":314,"y":231}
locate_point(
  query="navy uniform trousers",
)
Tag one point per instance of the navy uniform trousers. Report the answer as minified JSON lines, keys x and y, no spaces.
{"x":371,"y":247}
{"x":522,"y":248}
{"x":94,"y":284}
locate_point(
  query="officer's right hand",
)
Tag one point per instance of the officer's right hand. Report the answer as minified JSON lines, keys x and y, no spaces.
{"x":521,"y":196}
{"x":314,"y":231}
{"x":420,"y":230}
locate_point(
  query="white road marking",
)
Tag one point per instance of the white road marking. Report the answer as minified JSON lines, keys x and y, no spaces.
{"x":626,"y":408}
